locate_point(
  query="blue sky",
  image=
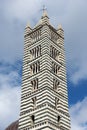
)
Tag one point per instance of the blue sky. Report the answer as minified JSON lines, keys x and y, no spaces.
{"x":14,"y":15}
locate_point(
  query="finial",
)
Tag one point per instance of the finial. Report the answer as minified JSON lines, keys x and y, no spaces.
{"x":59,"y":26}
{"x":44,"y":8}
{"x":44,"y":11}
{"x":28,"y":24}
{"x":27,"y":28}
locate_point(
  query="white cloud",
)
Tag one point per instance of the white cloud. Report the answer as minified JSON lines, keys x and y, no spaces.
{"x":78,"y":114}
{"x":22,"y":9}
{"x":9,"y":98}
{"x":14,"y":16}
{"x":9,"y":106}
{"x":80,"y":73}
{"x":75,"y":35}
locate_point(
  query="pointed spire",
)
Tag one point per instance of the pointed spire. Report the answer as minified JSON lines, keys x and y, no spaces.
{"x":27,"y":28}
{"x":44,"y":11}
{"x":28,"y":25}
{"x":60,"y":30}
{"x":60,"y":27}
{"x":45,"y":18}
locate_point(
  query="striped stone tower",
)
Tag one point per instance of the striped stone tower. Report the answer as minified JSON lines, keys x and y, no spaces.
{"x":44,"y":99}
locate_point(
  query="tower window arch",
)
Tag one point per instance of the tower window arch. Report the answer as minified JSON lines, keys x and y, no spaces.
{"x":55,"y":84}
{"x":58,"y":118}
{"x":35,"y":52}
{"x":55,"y":68}
{"x":54,"y":53}
{"x":32,"y":119}
{"x":35,"y":67}
{"x":56,"y":102}
{"x":34,"y":101}
{"x":34,"y":84}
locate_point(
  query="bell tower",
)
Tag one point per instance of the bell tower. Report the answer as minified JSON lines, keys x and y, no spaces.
{"x":44,"y":98}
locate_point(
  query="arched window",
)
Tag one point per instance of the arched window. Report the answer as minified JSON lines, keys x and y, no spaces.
{"x":35,"y":68}
{"x":38,"y":66}
{"x":54,"y":53}
{"x":34,"y":84}
{"x":56,"y":102}
{"x":32,"y":120}
{"x":34,"y":101}
{"x":55,"y":84}
{"x":58,"y":119}
{"x":35,"y":52}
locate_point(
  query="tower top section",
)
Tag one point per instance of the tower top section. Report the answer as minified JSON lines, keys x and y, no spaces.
{"x":44,"y":20}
